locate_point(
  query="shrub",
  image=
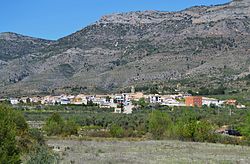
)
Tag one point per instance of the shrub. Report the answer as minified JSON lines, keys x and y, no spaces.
{"x":20,"y":122}
{"x":203,"y":131}
{"x":55,"y":125}
{"x":37,"y":135}
{"x":42,"y":155}
{"x":116,"y":131}
{"x":70,"y":128}
{"x":159,"y":124}
{"x":245,"y":129}
{"x":198,"y":131}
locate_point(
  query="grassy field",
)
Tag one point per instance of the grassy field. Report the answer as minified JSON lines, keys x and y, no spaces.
{"x":152,"y":152}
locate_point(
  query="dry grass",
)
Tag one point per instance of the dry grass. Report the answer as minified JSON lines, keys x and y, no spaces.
{"x":153,"y":152}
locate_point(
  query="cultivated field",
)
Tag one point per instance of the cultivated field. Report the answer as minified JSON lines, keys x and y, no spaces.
{"x":152,"y":152}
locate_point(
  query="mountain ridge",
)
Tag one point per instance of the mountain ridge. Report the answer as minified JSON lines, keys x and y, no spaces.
{"x":199,"y":45}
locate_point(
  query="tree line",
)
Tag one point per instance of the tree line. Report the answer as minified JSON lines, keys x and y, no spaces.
{"x":185,"y":125}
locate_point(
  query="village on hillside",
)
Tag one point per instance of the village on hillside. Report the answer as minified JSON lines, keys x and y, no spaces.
{"x":126,"y":102}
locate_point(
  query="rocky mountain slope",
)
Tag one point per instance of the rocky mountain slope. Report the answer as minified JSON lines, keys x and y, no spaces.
{"x":14,"y":46}
{"x":205,"y":44}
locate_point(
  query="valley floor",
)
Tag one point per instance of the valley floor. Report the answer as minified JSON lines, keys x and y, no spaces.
{"x":152,"y":152}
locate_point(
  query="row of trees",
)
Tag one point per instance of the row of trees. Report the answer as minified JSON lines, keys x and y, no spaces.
{"x":114,"y":125}
{"x":189,"y":127}
{"x":186,"y":125}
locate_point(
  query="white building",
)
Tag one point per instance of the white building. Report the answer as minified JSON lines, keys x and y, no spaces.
{"x":211,"y":101}
{"x":25,"y":99}
{"x":241,"y":106}
{"x":172,"y":102}
{"x":65,"y":101}
{"x":155,"y":99}
{"x":14,"y":101}
{"x":51,"y":100}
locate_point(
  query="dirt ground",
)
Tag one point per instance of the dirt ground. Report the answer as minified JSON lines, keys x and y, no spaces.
{"x":147,"y":152}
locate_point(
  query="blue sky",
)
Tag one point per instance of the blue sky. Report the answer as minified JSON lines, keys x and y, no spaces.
{"x":52,"y":19}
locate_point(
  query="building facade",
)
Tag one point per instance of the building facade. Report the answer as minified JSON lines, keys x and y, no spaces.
{"x":194,"y":101}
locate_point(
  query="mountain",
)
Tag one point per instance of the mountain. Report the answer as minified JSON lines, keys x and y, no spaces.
{"x":14,"y":45}
{"x":198,"y":46}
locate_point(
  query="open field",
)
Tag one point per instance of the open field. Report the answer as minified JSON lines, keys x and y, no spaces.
{"x":153,"y":152}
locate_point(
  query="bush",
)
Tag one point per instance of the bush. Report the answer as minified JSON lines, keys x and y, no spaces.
{"x":203,"y":91}
{"x":159,"y":124}
{"x":55,"y":125}
{"x":197,"y":131}
{"x":245,"y":129}
{"x":20,"y":122}
{"x":218,"y":91}
{"x":116,"y":131}
{"x":37,"y":135}
{"x":224,"y":139}
{"x":70,"y":128}
{"x":203,"y":131}
{"x":42,"y":155}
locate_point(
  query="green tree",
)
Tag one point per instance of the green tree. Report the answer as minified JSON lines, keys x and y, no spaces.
{"x":203,"y":131}
{"x":9,"y":152}
{"x":70,"y":128}
{"x":218,"y":91}
{"x":191,"y":92}
{"x":159,"y":124}
{"x":54,"y":125}
{"x":203,"y":91}
{"x":245,"y":129}
{"x":189,"y":127}
{"x":142,"y":102}
{"x":20,"y":122}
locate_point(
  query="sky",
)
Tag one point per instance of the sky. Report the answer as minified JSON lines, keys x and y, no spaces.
{"x":53,"y":19}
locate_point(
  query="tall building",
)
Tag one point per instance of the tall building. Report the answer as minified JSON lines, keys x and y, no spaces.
{"x":194,"y":101}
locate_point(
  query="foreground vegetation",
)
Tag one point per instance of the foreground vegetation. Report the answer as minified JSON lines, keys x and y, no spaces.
{"x":19,"y":143}
{"x":153,"y":122}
